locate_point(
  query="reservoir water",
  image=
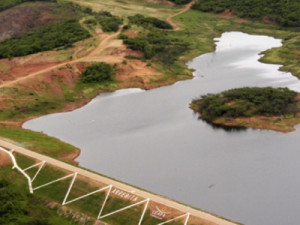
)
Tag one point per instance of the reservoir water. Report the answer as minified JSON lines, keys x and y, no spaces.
{"x":152,"y":139}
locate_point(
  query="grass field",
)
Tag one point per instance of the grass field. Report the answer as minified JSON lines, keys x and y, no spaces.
{"x":55,"y":193}
{"x":125,"y":8}
{"x":39,"y":142}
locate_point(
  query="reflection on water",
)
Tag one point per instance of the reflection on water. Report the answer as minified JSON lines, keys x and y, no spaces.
{"x":223,"y":127}
{"x":220,"y":126}
{"x":153,"y":140}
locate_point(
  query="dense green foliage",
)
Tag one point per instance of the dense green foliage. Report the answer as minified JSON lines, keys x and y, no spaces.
{"x":97,"y":73}
{"x":59,"y":34}
{"x":247,"y":102}
{"x":284,"y":12}
{"x":181,"y":2}
{"x":145,"y":22}
{"x":157,"y":43}
{"x":6,"y":4}
{"x":18,"y":207}
{"x":108,"y":22}
{"x":12,"y":207}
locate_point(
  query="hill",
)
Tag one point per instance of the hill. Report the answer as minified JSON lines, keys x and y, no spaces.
{"x":38,"y":26}
{"x":284,"y":12}
{"x":28,"y":16}
{"x":6,"y":4}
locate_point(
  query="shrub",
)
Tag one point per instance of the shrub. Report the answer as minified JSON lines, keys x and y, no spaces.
{"x":108,"y":22}
{"x":157,"y":43}
{"x":97,"y":73}
{"x":91,"y":22}
{"x":143,"y":21}
{"x":59,"y":34}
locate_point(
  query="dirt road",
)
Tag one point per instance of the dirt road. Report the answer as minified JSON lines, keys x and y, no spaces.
{"x":169,"y":19}
{"x":95,"y":55}
{"x":100,"y":48}
{"x":156,"y":198}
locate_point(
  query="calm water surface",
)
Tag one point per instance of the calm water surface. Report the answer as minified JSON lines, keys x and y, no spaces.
{"x":153,"y":140}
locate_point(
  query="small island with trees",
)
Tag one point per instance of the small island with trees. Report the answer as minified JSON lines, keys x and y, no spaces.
{"x":269,"y":108}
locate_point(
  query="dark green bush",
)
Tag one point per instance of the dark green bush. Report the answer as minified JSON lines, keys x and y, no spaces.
{"x":42,"y":39}
{"x":143,"y":21}
{"x":91,"y":21}
{"x":181,"y":2}
{"x":108,"y":22}
{"x":88,"y":10}
{"x":18,"y":207}
{"x":97,"y":73}
{"x":284,"y":12}
{"x":247,"y":102}
{"x":157,"y":43}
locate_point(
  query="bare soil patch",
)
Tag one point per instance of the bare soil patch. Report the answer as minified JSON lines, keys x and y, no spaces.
{"x":132,"y":33}
{"x":227,"y":14}
{"x":136,"y":73}
{"x":276,"y":123}
{"x":53,"y":81}
{"x":17,"y":70}
{"x":266,"y":19}
{"x":4,"y":159}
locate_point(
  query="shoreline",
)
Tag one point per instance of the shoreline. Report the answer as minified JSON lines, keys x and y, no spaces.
{"x":71,"y":157}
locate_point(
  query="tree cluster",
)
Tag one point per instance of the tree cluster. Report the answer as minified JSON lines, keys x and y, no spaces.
{"x":247,"y":102}
{"x":45,"y":38}
{"x":146,"y":22}
{"x":157,"y":43}
{"x":97,"y":73}
{"x":108,"y":22}
{"x":284,"y":12}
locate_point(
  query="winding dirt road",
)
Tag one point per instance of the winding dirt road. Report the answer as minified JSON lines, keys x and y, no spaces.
{"x":91,"y":56}
{"x":100,"y":48}
{"x":169,"y":19}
